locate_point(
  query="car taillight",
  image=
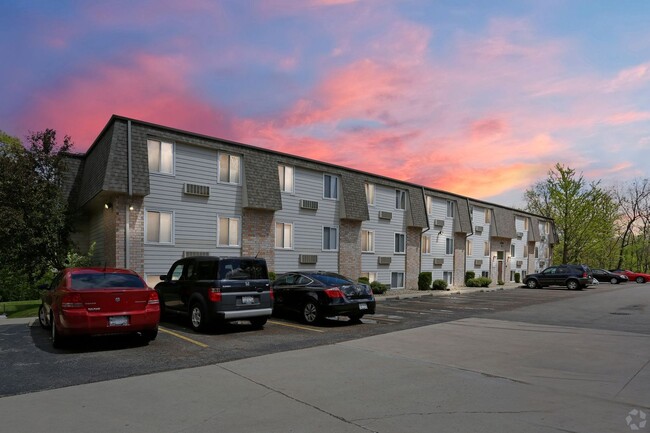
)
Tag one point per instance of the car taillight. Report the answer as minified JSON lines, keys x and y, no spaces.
{"x":584,"y":275}
{"x":71,"y":301}
{"x":271,"y":293}
{"x":334,"y":292}
{"x":153,"y":298}
{"x":215,"y":294}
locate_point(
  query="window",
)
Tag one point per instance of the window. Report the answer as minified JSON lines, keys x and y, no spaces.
{"x":400,"y":243}
{"x":547,"y":227}
{"x":229,"y":168}
{"x":525,"y":224}
{"x":159,"y":227}
{"x":448,"y":277}
{"x":429,"y":204}
{"x":371,"y":276}
{"x":547,"y":252}
{"x":330,"y":238}
{"x":512,"y":275}
{"x":228,"y":232}
{"x":488,"y":216}
{"x":426,"y":244}
{"x":523,"y":275}
{"x":536,"y":252}
{"x":513,"y":250}
{"x":525,"y":251}
{"x":449,"y":246}
{"x":367,"y":241}
{"x":286,"y":178}
{"x":370,"y":194}
{"x":400,"y":199}
{"x":450,"y":209}
{"x":284,"y":236}
{"x":330,"y":186}
{"x":397,"y":280}
{"x":468,"y":247}
{"x":485,"y":274}
{"x":486,"y":248}
{"x":161,"y":157}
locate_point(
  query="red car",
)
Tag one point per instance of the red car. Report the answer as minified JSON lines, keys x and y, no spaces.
{"x":90,"y":301}
{"x":634,"y":276}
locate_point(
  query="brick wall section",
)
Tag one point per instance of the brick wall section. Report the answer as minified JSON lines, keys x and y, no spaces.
{"x":350,"y":248}
{"x":110,"y":224}
{"x":413,"y":241}
{"x":114,"y":234}
{"x":258,"y":235}
{"x":530,"y":269}
{"x":460,"y":244}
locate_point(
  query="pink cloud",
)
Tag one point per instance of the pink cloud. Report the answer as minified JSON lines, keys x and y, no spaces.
{"x":628,"y":117}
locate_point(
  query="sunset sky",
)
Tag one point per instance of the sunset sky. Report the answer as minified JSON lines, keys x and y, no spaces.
{"x":477,"y":97}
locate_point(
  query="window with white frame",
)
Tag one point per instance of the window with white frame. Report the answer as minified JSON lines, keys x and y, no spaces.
{"x":161,"y":156}
{"x":525,"y":224}
{"x":397,"y":280}
{"x":330,"y":187}
{"x":426,"y":244}
{"x":400,"y":243}
{"x":488,"y":216}
{"x":450,"y":209}
{"x":537,"y":252}
{"x":525,"y":250}
{"x":448,"y":277}
{"x":229,"y":168}
{"x":449,"y":246}
{"x":429,"y":205}
{"x":370,"y":194}
{"x":330,"y":238}
{"x":286,"y":178}
{"x":468,"y":247}
{"x":513,"y":250}
{"x":547,"y":252}
{"x":485,"y":274}
{"x":400,"y":199}
{"x":228,"y":232}
{"x":367,"y":241}
{"x":284,"y":236}
{"x":512,"y":275}
{"x":159,"y":227}
{"x":486,"y":248}
{"x":371,"y":276}
{"x":547,"y":227}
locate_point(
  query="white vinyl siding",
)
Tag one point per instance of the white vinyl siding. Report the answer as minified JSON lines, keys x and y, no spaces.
{"x":229,"y":168}
{"x":284,"y":236}
{"x":159,"y":227}
{"x":228,"y":232}
{"x":285,"y":173}
{"x":161,"y":156}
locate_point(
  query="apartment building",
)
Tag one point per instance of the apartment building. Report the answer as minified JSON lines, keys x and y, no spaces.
{"x":148,"y":195}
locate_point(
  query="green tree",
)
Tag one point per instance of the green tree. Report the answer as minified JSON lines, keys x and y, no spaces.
{"x":584,"y":215}
{"x":36,"y":224}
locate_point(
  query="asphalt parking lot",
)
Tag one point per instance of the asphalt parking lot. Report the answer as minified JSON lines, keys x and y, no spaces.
{"x":31,"y":364}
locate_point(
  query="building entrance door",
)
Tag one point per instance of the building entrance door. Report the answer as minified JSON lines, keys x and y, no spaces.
{"x":500,"y":267}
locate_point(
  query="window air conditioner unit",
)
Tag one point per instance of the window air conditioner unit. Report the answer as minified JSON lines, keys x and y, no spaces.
{"x":543,"y":238}
{"x":478,"y":229}
{"x":438,"y":223}
{"x":520,"y":235}
{"x":194,"y":189}
{"x":308,"y":204}
{"x":195,"y":253}
{"x":308,"y":259}
{"x":438,"y":262}
{"x":384,"y":260}
{"x":478,"y":263}
{"x":542,"y":264}
{"x":384,"y":215}
{"x":520,"y":263}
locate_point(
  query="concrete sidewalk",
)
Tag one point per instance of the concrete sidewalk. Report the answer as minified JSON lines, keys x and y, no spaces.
{"x":464,"y":376}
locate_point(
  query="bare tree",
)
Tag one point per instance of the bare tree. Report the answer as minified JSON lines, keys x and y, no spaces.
{"x":633,"y":201}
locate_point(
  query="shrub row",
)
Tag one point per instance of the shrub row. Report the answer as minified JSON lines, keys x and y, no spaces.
{"x":478,"y":282}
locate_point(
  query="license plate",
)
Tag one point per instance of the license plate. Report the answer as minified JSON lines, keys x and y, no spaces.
{"x":363,"y":306}
{"x":247,"y":300}
{"x":118,"y":321}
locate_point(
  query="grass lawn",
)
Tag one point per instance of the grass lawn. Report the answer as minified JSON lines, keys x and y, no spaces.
{"x":18,"y":309}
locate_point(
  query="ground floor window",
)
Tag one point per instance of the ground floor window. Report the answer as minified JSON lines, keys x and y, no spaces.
{"x":448,"y":277}
{"x":371,"y":276}
{"x":485,"y":274}
{"x":397,"y":280}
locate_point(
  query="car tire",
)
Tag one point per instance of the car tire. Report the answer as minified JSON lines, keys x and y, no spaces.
{"x":58,"y":341}
{"x":311,"y":312}
{"x":640,"y":280}
{"x":198,"y":316}
{"x":42,"y":317}
{"x":573,"y":285}
{"x":149,"y":334}
{"x":356,"y":318}
{"x":613,"y":280}
{"x":259,"y":322}
{"x":531,"y":284}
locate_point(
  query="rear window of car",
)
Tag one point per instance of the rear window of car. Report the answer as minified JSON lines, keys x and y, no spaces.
{"x":331,"y":280}
{"x":106,"y":281}
{"x":235,"y":269}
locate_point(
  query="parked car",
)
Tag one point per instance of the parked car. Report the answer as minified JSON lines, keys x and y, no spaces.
{"x":574,"y":277}
{"x":639,"y":277}
{"x":604,"y":276}
{"x":213,"y":290}
{"x":87,"y":301}
{"x":315,"y":295}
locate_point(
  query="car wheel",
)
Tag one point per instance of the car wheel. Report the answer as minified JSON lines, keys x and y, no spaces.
{"x":42,"y":317}
{"x":355,"y":317}
{"x":531,"y":284}
{"x":573,"y":285}
{"x":640,"y":280}
{"x":259,"y":322}
{"x":150,"y":334}
{"x":198,"y":318}
{"x":311,"y":312}
{"x":58,"y":341}
{"x":613,"y":280}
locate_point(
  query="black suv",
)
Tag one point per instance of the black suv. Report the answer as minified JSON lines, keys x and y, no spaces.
{"x":217,"y":289}
{"x":574,"y":277}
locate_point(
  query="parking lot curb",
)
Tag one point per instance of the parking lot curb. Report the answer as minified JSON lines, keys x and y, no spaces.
{"x":412,"y":294}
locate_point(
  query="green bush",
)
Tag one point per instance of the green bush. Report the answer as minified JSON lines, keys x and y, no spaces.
{"x":500,"y":282}
{"x":517,"y":277}
{"x":478,"y":282}
{"x":271,"y":275}
{"x":363,"y":280}
{"x":424,"y":281}
{"x":378,"y":288}
{"x":468,"y":276}
{"x":439,"y":285}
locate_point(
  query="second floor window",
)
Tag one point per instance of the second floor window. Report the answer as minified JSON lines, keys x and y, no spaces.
{"x":429,"y":204}
{"x":400,"y":199}
{"x":488,"y":216}
{"x":370,"y":194}
{"x":228,"y":232}
{"x":229,"y":168}
{"x":486,"y":248}
{"x":513,"y":250}
{"x":330,"y":238}
{"x":161,"y":157}
{"x":367,"y":241}
{"x":469,"y":247}
{"x":159,"y":227}
{"x":400,"y":242}
{"x":426,"y":244}
{"x":330,"y":186}
{"x":449,"y":246}
{"x":286,"y":178}
{"x":284,"y":236}
{"x":450,"y":209}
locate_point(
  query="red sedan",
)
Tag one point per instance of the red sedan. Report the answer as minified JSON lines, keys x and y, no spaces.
{"x":88,"y":301}
{"x":639,"y":277}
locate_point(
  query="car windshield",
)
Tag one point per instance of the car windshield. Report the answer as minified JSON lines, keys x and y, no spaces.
{"x":235,"y":269}
{"x":106,"y":280}
{"x":331,"y":279}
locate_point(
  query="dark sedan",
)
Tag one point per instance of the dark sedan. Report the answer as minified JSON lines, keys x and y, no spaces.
{"x":604,"y":276}
{"x":316,"y":295}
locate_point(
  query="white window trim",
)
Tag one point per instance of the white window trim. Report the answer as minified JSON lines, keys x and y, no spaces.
{"x":373,"y":273}
{"x":428,"y":203}
{"x":395,"y":246}
{"x":338,"y":238}
{"x":162,"y":173}
{"x":239,"y":234}
{"x":403,"y":280}
{"x":374,"y":193}
{"x":293,"y":178}
{"x":450,"y":205}
{"x":374,"y":241}
{"x":291,"y":248}
{"x":338,"y":188}
{"x":403,"y":192}
{"x":241,"y":169}
{"x":453,"y":247}
{"x":173,"y":213}
{"x":469,"y":248}
{"x":426,"y":253}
